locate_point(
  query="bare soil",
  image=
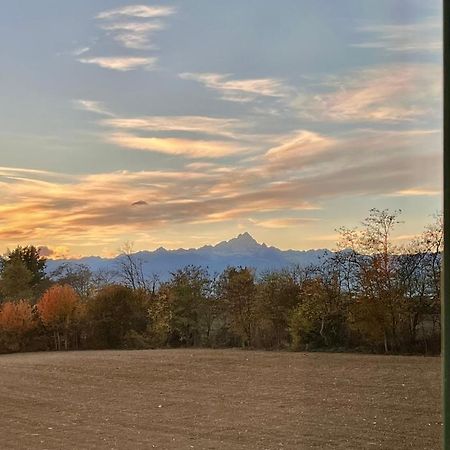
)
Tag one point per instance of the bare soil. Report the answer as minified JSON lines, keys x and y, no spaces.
{"x":218,"y":399}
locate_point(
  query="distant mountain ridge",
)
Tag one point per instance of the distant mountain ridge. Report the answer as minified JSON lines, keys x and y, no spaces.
{"x":243,"y":250}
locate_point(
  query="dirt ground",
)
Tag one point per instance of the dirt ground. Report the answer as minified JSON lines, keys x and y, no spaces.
{"x":218,"y":399}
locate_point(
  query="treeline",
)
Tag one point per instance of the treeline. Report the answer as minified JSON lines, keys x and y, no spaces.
{"x":370,"y":295}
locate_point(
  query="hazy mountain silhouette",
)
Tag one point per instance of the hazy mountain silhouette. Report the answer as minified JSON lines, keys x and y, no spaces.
{"x":242,"y":250}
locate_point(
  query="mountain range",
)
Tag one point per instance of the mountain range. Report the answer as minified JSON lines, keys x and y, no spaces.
{"x":242,"y":250}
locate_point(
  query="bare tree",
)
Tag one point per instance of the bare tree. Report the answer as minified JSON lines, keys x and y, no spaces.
{"x":130,"y":269}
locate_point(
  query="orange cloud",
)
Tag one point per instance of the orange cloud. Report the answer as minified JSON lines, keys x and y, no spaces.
{"x":173,"y":146}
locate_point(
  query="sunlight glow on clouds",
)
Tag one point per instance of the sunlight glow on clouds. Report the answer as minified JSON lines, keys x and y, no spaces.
{"x":199,"y":124}
{"x":395,"y":93}
{"x":405,"y":38}
{"x":173,"y":146}
{"x":121,"y":63}
{"x":142,"y":11}
{"x":238,"y":90}
{"x":92,"y":106}
{"x":135,"y":35}
{"x":186,"y":139}
{"x":103,"y":202}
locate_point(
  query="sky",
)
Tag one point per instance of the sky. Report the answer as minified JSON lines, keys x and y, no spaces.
{"x":180,"y":124}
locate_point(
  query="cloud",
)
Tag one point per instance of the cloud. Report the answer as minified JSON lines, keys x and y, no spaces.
{"x":122,"y":25}
{"x":304,"y":170}
{"x":422,"y":37}
{"x":130,"y":133}
{"x":92,"y":106}
{"x":190,"y":148}
{"x":45,"y":251}
{"x":196,"y":124}
{"x":80,"y":51}
{"x":288,"y":222}
{"x":59,"y":252}
{"x":141,"y":11}
{"x":244,"y":90}
{"x":139,"y":203}
{"x":123,"y":63}
{"x":135,"y":35}
{"x":417,"y":192}
{"x":392,"y":93}
{"x":133,"y":27}
{"x":298,"y":150}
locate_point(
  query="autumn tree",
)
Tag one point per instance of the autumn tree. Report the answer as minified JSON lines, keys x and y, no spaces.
{"x":277,"y":295}
{"x":61,"y":312}
{"x":160,"y":316}
{"x":237,"y":291}
{"x":16,"y":322}
{"x":421,"y":277}
{"x":372,"y":258}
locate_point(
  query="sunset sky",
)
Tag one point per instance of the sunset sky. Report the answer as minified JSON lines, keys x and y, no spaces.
{"x":185,"y":123}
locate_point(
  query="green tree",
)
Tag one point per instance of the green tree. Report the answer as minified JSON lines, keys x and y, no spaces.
{"x":16,"y":281}
{"x":35,"y":264}
{"x":189,"y":296}
{"x":115,"y":312}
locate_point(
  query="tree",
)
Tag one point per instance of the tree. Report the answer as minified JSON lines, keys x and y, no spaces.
{"x":16,"y":281}
{"x":277,"y":294}
{"x":60,"y":311}
{"x":191,"y":306}
{"x":130,"y":268}
{"x":77,"y":276}
{"x":375,"y":283}
{"x":114,"y":312}
{"x":421,"y":276}
{"x":237,"y":291}
{"x":30,"y":258}
{"x":16,"y":322}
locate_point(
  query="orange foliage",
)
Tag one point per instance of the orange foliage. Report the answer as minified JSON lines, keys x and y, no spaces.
{"x":58,"y":306}
{"x":16,"y":317}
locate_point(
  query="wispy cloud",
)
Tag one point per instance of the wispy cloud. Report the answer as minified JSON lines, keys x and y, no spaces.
{"x":243,"y":90}
{"x":121,"y":63}
{"x":135,"y":35}
{"x":403,"y":38}
{"x":133,"y":27}
{"x":92,"y":106}
{"x":417,"y":192}
{"x":98,"y":208}
{"x":197,"y":124}
{"x":298,"y":150}
{"x":394,"y":93}
{"x":142,"y":11}
{"x":288,"y":222}
{"x":80,"y":51}
{"x":173,"y":146}
{"x":201,"y":136}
